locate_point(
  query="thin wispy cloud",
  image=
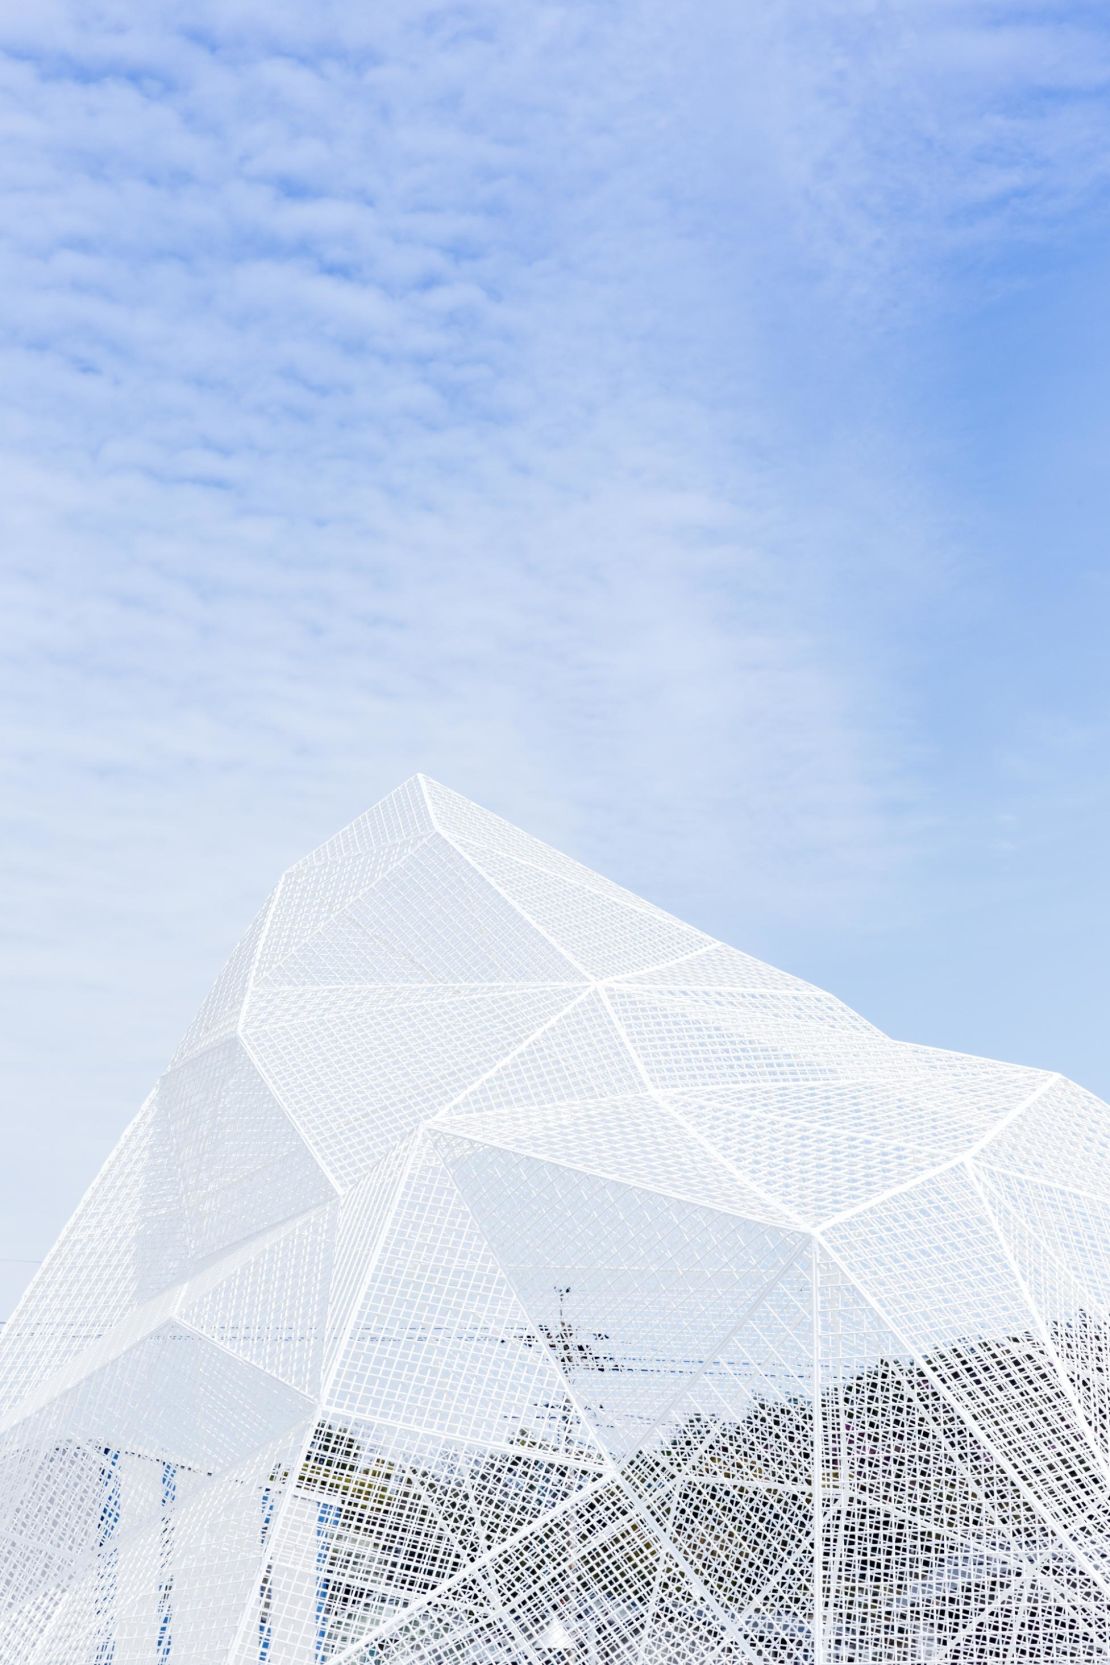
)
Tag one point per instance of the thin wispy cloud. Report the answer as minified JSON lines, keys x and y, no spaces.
{"x":545,"y":397}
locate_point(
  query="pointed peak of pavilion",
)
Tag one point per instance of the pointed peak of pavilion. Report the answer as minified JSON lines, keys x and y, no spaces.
{"x":433,"y":845}
{"x":421,"y":807}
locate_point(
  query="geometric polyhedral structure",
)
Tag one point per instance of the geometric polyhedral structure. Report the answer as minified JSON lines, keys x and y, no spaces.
{"x":505,"y":1271}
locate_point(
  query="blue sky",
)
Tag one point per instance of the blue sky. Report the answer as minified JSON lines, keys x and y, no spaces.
{"x":681,"y":428}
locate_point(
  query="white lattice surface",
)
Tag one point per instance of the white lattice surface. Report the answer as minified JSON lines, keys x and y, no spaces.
{"x":504,"y":1271}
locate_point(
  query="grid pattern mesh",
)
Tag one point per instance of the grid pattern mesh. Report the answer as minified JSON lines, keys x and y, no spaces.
{"x":504,"y":1271}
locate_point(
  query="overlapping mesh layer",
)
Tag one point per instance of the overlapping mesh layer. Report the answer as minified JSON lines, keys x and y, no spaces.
{"x":504,"y":1271}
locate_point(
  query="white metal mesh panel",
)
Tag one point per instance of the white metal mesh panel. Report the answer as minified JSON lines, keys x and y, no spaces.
{"x":359,"y":1070}
{"x":505,"y":1272}
{"x":272,"y":1309}
{"x":314,"y":896}
{"x":126,"y":1241}
{"x":602,"y":935}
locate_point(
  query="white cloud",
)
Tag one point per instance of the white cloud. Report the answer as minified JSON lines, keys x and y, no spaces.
{"x":505,"y":391}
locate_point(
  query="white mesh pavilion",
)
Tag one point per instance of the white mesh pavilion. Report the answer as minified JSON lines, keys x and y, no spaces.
{"x":504,"y":1271}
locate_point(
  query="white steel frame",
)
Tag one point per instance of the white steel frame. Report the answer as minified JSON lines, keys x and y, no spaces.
{"x":503,"y":1270}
